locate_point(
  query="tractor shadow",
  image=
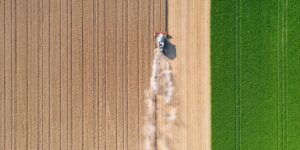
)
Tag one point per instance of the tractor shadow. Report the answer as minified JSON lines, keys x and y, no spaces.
{"x":170,"y":50}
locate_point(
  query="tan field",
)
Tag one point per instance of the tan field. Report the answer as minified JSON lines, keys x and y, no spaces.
{"x":73,"y":72}
{"x":189,"y":26}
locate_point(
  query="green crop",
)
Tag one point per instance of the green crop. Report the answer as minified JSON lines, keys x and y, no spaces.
{"x":255,"y":63}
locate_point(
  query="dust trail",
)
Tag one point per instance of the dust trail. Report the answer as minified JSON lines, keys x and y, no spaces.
{"x":167,"y":73}
{"x":150,"y":122}
{"x":168,"y":114}
{"x":161,"y":84}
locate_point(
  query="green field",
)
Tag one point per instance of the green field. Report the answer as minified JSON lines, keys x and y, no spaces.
{"x":255,"y":74}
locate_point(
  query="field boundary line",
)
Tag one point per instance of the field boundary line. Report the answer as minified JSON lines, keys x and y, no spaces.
{"x":279,"y":79}
{"x":285,"y":72}
{"x":238,"y":76}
